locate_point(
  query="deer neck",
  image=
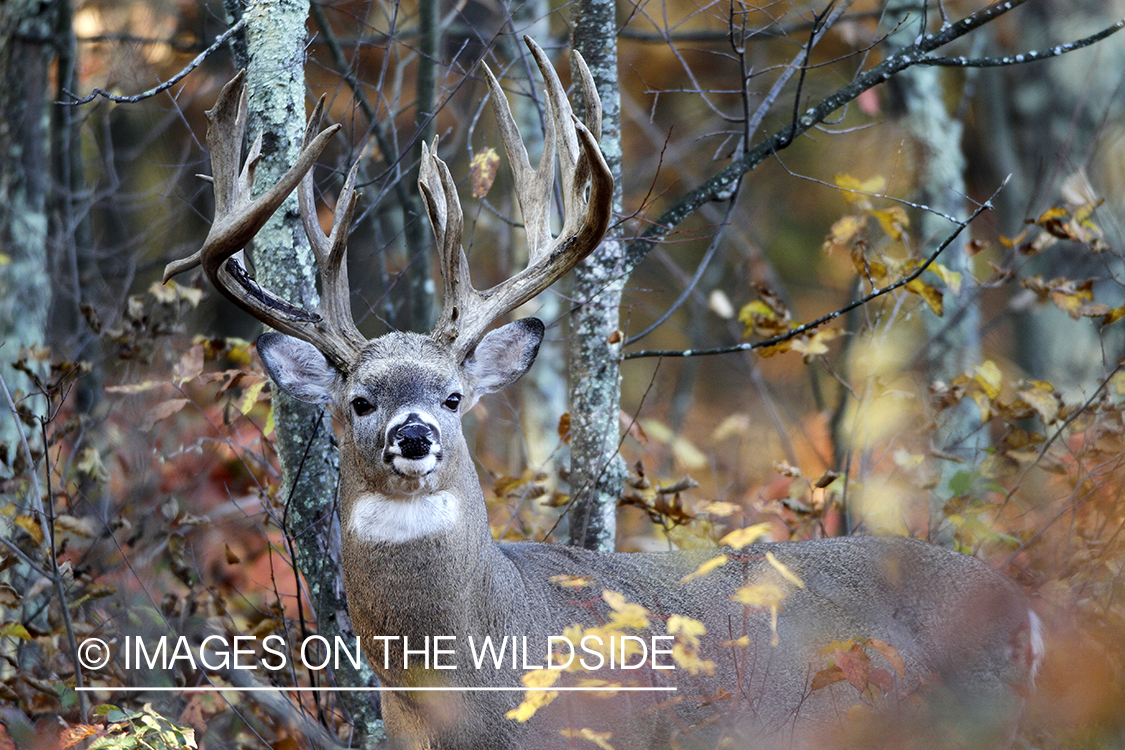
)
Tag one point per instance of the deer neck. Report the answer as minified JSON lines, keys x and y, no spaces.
{"x":397,"y":526}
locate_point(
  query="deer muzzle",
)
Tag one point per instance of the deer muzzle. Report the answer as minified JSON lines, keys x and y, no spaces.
{"x":413,"y":445}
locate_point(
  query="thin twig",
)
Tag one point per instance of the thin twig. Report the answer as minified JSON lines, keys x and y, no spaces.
{"x":219,"y":42}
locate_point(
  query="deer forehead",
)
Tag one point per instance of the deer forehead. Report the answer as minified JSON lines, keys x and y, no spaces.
{"x":404,"y":367}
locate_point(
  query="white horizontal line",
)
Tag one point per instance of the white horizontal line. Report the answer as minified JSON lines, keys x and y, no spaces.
{"x":216,"y":689}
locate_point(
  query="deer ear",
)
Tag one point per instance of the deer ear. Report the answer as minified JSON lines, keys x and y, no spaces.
{"x":298,"y":368}
{"x":503,"y":355}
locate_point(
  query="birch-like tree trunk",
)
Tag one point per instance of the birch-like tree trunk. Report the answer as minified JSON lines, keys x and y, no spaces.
{"x":25,"y":288}
{"x":953,"y":339}
{"x":597,"y":472}
{"x":276,"y":37}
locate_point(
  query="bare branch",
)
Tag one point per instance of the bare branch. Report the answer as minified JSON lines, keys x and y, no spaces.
{"x":810,"y":326}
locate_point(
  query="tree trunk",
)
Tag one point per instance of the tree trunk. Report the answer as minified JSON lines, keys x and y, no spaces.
{"x":597,"y":472}
{"x":25,"y":288}
{"x":276,"y":38}
{"x":954,"y":339}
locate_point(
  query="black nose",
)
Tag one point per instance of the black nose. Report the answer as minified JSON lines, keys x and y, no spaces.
{"x":414,"y":439}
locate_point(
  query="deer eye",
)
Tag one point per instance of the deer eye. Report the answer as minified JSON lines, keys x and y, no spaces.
{"x":362,"y":406}
{"x":452,"y":402}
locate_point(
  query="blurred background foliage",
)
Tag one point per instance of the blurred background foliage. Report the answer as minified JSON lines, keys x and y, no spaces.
{"x":982,"y":405}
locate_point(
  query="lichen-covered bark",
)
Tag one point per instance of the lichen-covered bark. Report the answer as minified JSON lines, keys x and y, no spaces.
{"x":276,"y":38}
{"x":597,"y":472}
{"x":25,"y":289}
{"x":954,"y":339}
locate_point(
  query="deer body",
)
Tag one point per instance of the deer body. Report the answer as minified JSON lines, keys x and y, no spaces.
{"x":899,"y":618}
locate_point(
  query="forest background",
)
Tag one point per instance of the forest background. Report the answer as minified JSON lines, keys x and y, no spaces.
{"x":776,"y":163}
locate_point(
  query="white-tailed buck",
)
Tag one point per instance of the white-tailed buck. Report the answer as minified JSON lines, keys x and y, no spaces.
{"x":800,"y":644}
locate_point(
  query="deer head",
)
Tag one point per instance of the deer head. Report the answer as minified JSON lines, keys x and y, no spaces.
{"x":400,"y":396}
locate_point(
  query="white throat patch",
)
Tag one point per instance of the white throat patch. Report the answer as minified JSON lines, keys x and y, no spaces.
{"x":378,"y":518}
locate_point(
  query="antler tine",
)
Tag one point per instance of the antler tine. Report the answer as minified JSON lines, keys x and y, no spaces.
{"x":331,"y":249}
{"x":468,"y":313}
{"x":439,"y":194}
{"x":238,"y":219}
{"x":533,"y":187}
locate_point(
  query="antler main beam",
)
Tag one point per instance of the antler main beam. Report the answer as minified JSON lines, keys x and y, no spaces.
{"x":467,"y":313}
{"x":238,"y":218}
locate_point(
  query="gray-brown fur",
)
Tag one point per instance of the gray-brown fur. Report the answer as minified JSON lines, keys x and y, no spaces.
{"x":960,"y":627}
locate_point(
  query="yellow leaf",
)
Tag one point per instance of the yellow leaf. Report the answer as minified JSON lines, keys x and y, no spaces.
{"x":814,"y":345}
{"x":847,"y":182}
{"x":893,"y":220}
{"x":15,"y":630}
{"x":704,"y":569}
{"x":28,"y":524}
{"x":5,"y":259}
{"x":989,"y":377}
{"x":1041,"y":397}
{"x":952,"y":279}
{"x":721,"y":508}
{"x":687,"y":628}
{"x":571,"y":582}
{"x":250,"y":397}
{"x":844,"y":231}
{"x":483,"y":171}
{"x":537,"y":698}
{"x":932,"y":296}
{"x":1051,"y":213}
{"x":760,"y":595}
{"x":739,"y":538}
{"x":625,"y":614}
{"x":786,"y":573}
{"x":689,"y":659}
{"x":1113,"y":316}
{"x":598,"y":738}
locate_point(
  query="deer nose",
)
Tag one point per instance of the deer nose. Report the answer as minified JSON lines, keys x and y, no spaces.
{"x":413,"y":439}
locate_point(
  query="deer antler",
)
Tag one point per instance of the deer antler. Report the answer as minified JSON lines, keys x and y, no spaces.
{"x":238,"y":218}
{"x":467,"y":313}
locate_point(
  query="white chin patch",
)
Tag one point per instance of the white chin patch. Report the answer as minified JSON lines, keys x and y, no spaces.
{"x":414,"y":467}
{"x":379,"y":518}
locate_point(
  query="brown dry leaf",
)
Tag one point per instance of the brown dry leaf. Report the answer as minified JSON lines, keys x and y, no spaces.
{"x":826,"y":677}
{"x":891,"y":654}
{"x":854,"y":664}
{"x":9,"y":597}
{"x":190,"y":365}
{"x":482,"y":171}
{"x":87,"y":528}
{"x":632,"y":427}
{"x":71,"y":736}
{"x":162,"y":411}
{"x":232,"y":558}
{"x":564,"y":427}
